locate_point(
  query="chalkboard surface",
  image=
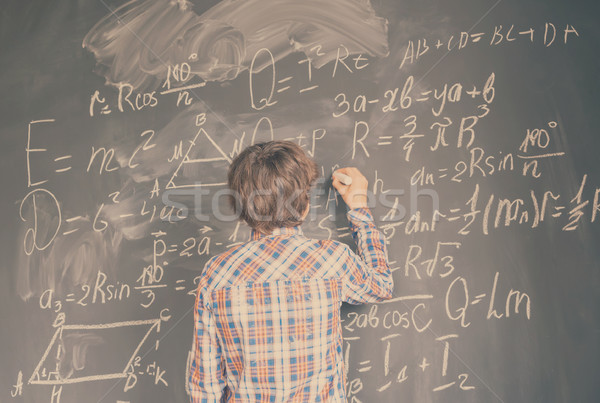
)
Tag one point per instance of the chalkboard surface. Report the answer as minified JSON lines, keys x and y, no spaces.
{"x":475,"y":121}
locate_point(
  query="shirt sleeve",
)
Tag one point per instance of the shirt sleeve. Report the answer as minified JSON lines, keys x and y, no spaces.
{"x":368,"y":277}
{"x":207,"y":370}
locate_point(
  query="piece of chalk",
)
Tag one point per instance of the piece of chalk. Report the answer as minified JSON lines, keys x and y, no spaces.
{"x":345,"y":179}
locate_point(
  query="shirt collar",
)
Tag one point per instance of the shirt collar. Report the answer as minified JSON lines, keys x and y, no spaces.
{"x":255,"y":235}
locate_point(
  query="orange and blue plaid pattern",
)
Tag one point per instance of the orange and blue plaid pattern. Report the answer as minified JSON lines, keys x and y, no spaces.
{"x":267,"y":319}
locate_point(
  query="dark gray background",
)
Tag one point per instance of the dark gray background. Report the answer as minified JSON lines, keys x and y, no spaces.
{"x":553,"y":357}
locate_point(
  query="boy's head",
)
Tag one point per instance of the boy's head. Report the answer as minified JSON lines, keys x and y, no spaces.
{"x":270,"y":183}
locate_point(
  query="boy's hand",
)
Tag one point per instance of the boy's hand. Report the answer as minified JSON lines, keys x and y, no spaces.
{"x":355,"y":194}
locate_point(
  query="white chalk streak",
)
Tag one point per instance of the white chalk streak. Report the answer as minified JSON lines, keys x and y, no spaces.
{"x":308,"y":88}
{"x":189,"y":87}
{"x":541,"y":155}
{"x":64,"y":157}
{"x":407,"y":297}
{"x":112,"y":325}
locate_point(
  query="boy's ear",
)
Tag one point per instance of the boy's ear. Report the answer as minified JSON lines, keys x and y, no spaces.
{"x":306,"y":211}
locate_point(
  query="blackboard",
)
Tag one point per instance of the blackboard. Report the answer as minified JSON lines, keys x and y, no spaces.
{"x":474,"y":121}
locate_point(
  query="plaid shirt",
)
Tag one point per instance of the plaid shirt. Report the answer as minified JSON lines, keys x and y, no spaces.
{"x":267,"y":318}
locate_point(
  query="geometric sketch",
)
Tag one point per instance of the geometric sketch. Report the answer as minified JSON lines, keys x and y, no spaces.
{"x":72,"y":344}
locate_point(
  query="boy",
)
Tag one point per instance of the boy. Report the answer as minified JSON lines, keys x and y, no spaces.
{"x":267,"y":318}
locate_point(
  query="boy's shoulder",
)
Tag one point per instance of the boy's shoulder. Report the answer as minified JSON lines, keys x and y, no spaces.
{"x":220,"y":260}
{"x":333,"y":244}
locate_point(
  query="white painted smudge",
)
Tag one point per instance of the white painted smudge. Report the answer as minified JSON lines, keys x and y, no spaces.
{"x":138,"y":41}
{"x":68,"y":262}
{"x":73,"y":352}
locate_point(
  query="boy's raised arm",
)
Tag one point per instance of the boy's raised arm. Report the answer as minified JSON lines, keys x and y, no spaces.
{"x":368,"y":278}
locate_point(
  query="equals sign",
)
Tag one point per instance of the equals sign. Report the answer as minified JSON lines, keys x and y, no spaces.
{"x":64,"y":157}
{"x":367,"y":367}
{"x":70,"y":298}
{"x":443,"y":170}
{"x":476,"y":37}
{"x":70,"y":220}
{"x":384,"y":143}
{"x":344,"y":232}
{"x":559,"y":213}
{"x":284,"y":80}
{"x":179,"y":288}
{"x":426,"y":96}
{"x":477,"y":299}
{"x":454,"y":210}
{"x":173,"y":248}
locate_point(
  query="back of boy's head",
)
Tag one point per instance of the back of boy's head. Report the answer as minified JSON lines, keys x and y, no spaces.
{"x":270,"y":184}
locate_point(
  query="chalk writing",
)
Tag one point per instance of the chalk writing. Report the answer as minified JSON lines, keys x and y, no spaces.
{"x":117,"y":220}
